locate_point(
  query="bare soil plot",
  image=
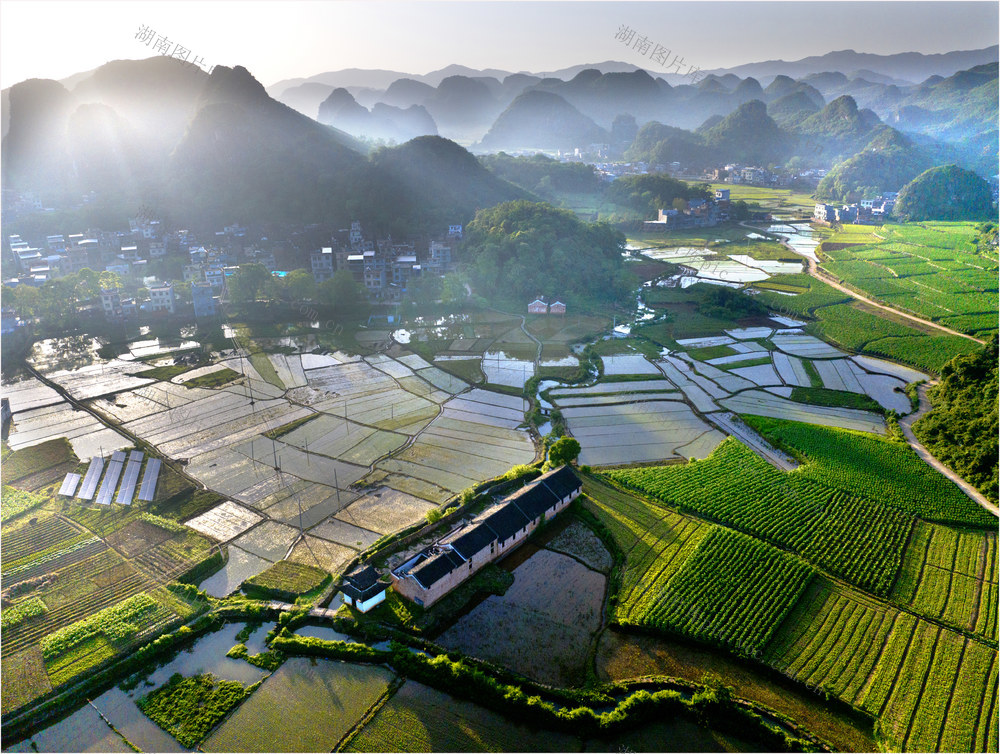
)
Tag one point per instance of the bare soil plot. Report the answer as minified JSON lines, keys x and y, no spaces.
{"x":321,"y":553}
{"x":225,"y":521}
{"x":385,"y":511}
{"x":542,"y":626}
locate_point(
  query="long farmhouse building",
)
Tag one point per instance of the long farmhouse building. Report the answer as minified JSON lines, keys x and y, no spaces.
{"x":495,"y":532}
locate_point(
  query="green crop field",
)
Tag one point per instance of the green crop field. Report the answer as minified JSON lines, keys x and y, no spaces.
{"x":874,"y":467}
{"x":951,"y":574}
{"x":932,"y":270}
{"x":655,"y":542}
{"x":930,"y":688}
{"x":734,"y":591}
{"x":850,"y":536}
{"x":287,"y":580}
{"x":815,"y":294}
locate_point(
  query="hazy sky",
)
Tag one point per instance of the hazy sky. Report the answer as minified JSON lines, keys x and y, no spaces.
{"x":279,"y":40}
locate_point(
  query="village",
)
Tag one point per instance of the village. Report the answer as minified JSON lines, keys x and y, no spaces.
{"x":134,"y":266}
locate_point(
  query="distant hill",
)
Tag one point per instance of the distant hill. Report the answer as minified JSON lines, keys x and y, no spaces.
{"x":239,"y":154}
{"x":907,"y":66}
{"x":750,"y":136}
{"x":541,"y":120}
{"x":885,"y":163}
{"x":945,"y":192}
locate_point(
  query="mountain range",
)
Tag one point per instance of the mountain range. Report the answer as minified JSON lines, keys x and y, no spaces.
{"x":213,"y":148}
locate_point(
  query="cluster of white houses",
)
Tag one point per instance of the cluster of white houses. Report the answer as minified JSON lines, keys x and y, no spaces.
{"x":437,"y":570}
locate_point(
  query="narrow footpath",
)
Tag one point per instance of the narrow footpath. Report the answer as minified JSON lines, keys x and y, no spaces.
{"x":906,"y":424}
{"x":822,"y":275}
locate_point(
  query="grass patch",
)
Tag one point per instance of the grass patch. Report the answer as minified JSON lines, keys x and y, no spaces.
{"x":188,"y":708}
{"x":286,"y":581}
{"x":80,"y":659}
{"x":215,"y":379}
{"x":164,"y":373}
{"x":467,"y":369}
{"x":19,"y":464}
{"x":283,"y":430}
{"x":748,"y":363}
{"x":14,"y":502}
{"x":21,"y":612}
{"x":710,"y":352}
{"x":270,"y":660}
{"x":836,"y":398}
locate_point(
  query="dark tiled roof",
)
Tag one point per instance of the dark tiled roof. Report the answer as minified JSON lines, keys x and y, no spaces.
{"x":551,"y":487}
{"x":362,"y":583}
{"x":533,"y":499}
{"x":506,"y":521}
{"x":475,"y":538}
{"x":561,"y":481}
{"x":436,"y":568}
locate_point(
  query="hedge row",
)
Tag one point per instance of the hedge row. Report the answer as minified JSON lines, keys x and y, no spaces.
{"x":461,"y":679}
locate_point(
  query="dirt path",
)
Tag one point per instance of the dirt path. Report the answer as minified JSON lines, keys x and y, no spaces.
{"x":906,"y":425}
{"x":820,"y":274}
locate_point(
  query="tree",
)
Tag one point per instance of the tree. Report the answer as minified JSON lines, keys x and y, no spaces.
{"x":247,"y":283}
{"x":342,"y":293}
{"x":564,"y":450}
{"x":110,"y":280}
{"x":300,"y":285}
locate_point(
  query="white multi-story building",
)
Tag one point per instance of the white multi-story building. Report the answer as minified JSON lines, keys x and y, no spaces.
{"x":162,"y":298}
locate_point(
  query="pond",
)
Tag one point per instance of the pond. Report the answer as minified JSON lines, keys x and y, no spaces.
{"x":543,"y":626}
{"x":802,"y":238}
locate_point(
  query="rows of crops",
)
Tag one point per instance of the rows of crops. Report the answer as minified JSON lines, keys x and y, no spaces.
{"x":655,"y":543}
{"x":928,"y":687}
{"x":852,"y":537}
{"x":874,"y":467}
{"x":818,"y":294}
{"x":734,"y":591}
{"x":934,"y":271}
{"x":951,"y":575}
